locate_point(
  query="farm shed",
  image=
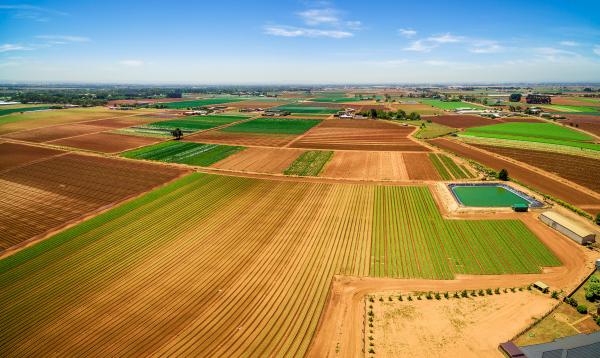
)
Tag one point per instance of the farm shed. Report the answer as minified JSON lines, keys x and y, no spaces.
{"x":541,"y":286}
{"x":568,"y":227}
{"x":511,"y":350}
{"x":577,"y":346}
{"x":520,"y":207}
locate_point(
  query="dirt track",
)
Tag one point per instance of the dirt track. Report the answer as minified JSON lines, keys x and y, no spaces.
{"x":339,"y":332}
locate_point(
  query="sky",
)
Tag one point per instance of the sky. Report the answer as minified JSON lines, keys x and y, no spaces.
{"x":300,"y":42}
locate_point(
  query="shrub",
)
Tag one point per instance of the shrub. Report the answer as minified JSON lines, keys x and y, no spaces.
{"x":529,"y":287}
{"x":481,"y":293}
{"x":571,"y":301}
{"x":400,"y":298}
{"x":390,"y":298}
{"x":380,"y":299}
{"x":503,"y":175}
{"x":371,"y":338}
{"x":419,"y":297}
{"x":597,"y":220}
{"x":582,"y":309}
{"x":428,"y":296}
{"x":464,"y":293}
{"x":446,"y":295}
{"x":554,"y":295}
{"x":371,"y":299}
{"x":456,"y":295}
{"x":409,"y":298}
{"x":473,"y":294}
{"x":598,"y":320}
{"x":497,"y":291}
{"x":371,"y":350}
{"x":488,"y":291}
{"x":437,"y":296}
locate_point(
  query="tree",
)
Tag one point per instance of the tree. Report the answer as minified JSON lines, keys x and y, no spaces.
{"x":515,"y":97}
{"x":177,"y":133}
{"x":582,"y":309}
{"x":503,"y":175}
{"x":413,"y":116}
{"x":400,"y":114}
{"x":373,"y":113}
{"x":597,"y":219}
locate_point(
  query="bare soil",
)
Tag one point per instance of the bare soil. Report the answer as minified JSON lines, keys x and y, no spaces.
{"x":586,"y":122}
{"x":13,"y":154}
{"x":106,"y":142}
{"x":366,"y":166}
{"x":260,"y":160}
{"x":419,"y":167}
{"x":46,"y":134}
{"x":245,"y":139}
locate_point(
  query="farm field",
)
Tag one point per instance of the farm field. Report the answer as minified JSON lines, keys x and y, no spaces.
{"x":45,"y":134}
{"x":579,"y":170}
{"x":432,"y":130}
{"x":236,"y":295}
{"x":23,"y":108}
{"x":575,"y":101}
{"x":307,"y":109}
{"x":566,"y":108}
{"x":290,"y":126}
{"x":196,"y":123}
{"x":333,"y":99}
{"x":535,"y":132}
{"x":447,"y":168}
{"x":240,"y":138}
{"x":309,"y":163}
{"x":105,"y":142}
{"x":449,"y":105}
{"x":461,"y":121}
{"x":30,"y":120}
{"x":200,"y":102}
{"x":359,"y":135}
{"x":367,"y":166}
{"x":54,"y":190}
{"x":588,"y":123}
{"x":526,"y":176}
{"x":267,"y":103}
{"x":184,"y":153}
{"x":14,"y":155}
{"x":464,"y":327}
{"x":422,"y":109}
{"x":420,"y":167}
{"x":260,"y":160}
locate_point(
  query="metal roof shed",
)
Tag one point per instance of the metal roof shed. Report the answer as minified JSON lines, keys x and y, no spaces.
{"x":568,"y":227}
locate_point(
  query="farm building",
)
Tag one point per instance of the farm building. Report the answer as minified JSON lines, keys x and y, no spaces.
{"x":568,"y":227}
{"x":578,"y":346}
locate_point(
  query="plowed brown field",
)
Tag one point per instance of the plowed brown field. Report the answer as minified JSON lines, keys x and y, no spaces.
{"x":106,"y":142}
{"x":359,"y":135}
{"x":419,"y":167}
{"x":527,"y":176}
{"x":366,"y":166}
{"x":248,"y":139}
{"x":581,"y":170}
{"x":586,"y":122}
{"x":12,"y":155}
{"x":462,"y":121}
{"x":46,"y":134}
{"x":117,"y":123}
{"x":260,"y":160}
{"x":45,"y":195}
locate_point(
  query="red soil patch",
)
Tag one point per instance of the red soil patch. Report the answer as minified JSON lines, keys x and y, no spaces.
{"x":366,"y":166}
{"x":565,"y":101}
{"x":461,"y":121}
{"x":585,"y":173}
{"x":48,"y":194}
{"x":46,"y":134}
{"x":586,"y":122}
{"x":419,"y":167}
{"x":117,"y":123}
{"x":106,"y":142}
{"x":527,"y":176}
{"x":359,"y":135}
{"x":13,"y":155}
{"x":247,"y":139}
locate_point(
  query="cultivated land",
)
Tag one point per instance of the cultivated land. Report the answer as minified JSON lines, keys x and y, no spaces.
{"x":196,"y":123}
{"x":184,"y":153}
{"x":529,"y":177}
{"x":447,"y":168}
{"x":455,"y":327}
{"x":590,"y":123}
{"x":310,"y":163}
{"x":420,"y":167}
{"x":535,"y":132}
{"x":260,"y":160}
{"x":200,"y":102}
{"x":449,"y":105}
{"x":23,"y":108}
{"x":244,"y":139}
{"x":14,"y":155}
{"x":359,"y":135}
{"x":289,"y":126}
{"x":53,"y":190}
{"x":105,"y":142}
{"x":367,"y":166}
{"x":461,"y":121}
{"x":308,"y":109}
{"x":237,"y":295}
{"x":581,"y":170}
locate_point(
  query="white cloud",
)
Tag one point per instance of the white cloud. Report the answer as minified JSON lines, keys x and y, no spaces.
{"x":445,"y":38}
{"x":13,"y":47}
{"x":407,"y":32}
{"x":420,"y":46}
{"x":354,"y":25}
{"x":286,"y":31}
{"x":61,"y":39}
{"x":490,"y":48}
{"x":132,"y":63}
{"x":597,"y":50}
{"x":314,"y":17}
{"x":554,"y":54}
{"x":569,"y":43}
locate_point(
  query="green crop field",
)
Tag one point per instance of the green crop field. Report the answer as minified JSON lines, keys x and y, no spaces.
{"x":534,"y":132}
{"x":202,"y":102}
{"x":333,"y":99}
{"x":232,"y":266}
{"x":274,"y":126}
{"x":447,"y":168}
{"x":196,"y":123}
{"x":5,"y":111}
{"x":449,"y":105}
{"x":570,"y":109}
{"x":184,"y":152}
{"x":307,"y":109}
{"x":310,"y":163}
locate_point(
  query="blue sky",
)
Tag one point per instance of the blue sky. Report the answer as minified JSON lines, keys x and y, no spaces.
{"x":212,"y":42}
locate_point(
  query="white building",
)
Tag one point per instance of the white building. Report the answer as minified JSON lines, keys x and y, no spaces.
{"x":568,"y":227}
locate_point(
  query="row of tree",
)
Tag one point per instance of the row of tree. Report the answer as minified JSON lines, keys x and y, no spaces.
{"x":399,"y":114}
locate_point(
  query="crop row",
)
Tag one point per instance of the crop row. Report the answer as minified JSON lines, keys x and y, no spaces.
{"x":309,"y":163}
{"x":273,"y":126}
{"x":447,"y":168}
{"x":184,"y":152}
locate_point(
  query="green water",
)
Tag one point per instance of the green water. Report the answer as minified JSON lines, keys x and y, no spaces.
{"x":482,"y":196}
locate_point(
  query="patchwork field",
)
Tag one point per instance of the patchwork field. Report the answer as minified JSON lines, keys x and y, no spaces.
{"x":588,"y":123}
{"x":420,"y":167}
{"x":184,"y":153}
{"x":105,"y":142}
{"x":14,"y":155}
{"x":359,"y":135}
{"x":447,"y":168}
{"x":309,"y":163}
{"x":54,"y":190}
{"x":422,"y":109}
{"x":195,"y":123}
{"x":237,"y":295}
{"x":30,"y":120}
{"x":535,"y":132}
{"x":200,"y":102}
{"x":307,"y":109}
{"x":580,"y":170}
{"x":461,"y":121}
{"x":45,"y":134}
{"x":260,"y":160}
{"x":527,"y":176}
{"x":449,"y":105}
{"x":569,"y":109}
{"x":290,"y":126}
{"x":244,"y":139}
{"x":367,"y":166}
